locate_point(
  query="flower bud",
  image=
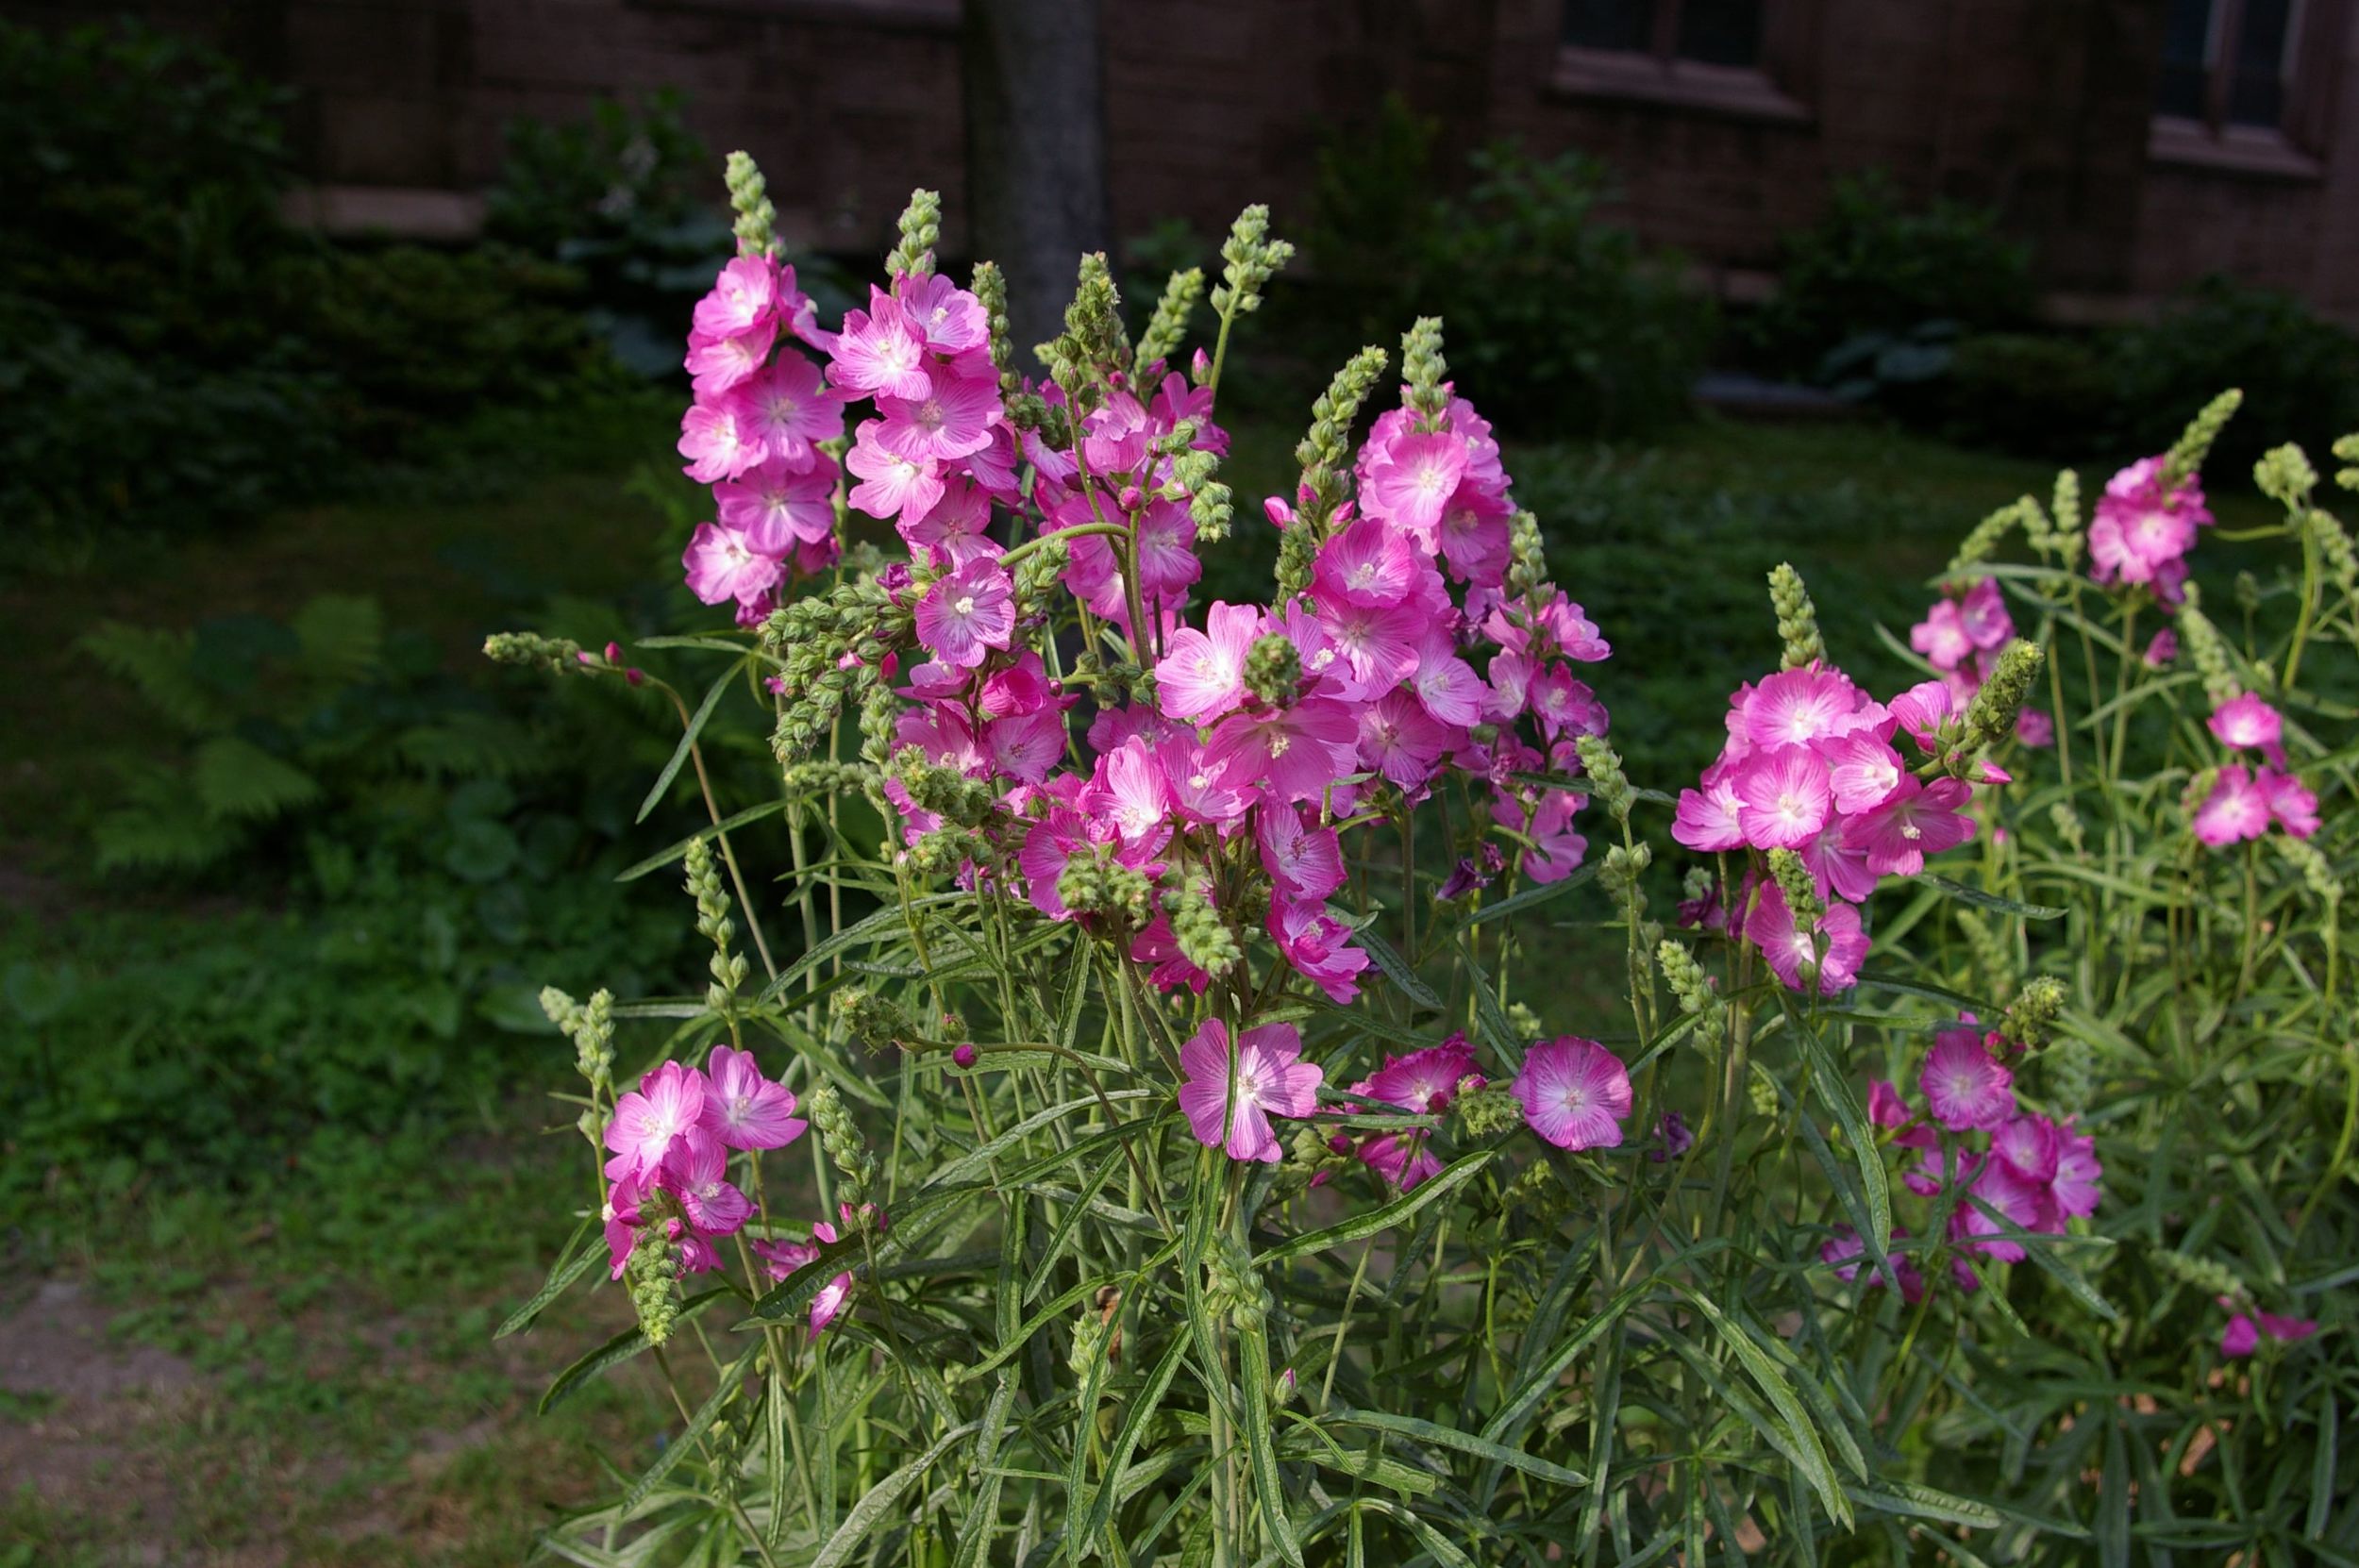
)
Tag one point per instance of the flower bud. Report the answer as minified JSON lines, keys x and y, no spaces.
{"x":1797,"y":619}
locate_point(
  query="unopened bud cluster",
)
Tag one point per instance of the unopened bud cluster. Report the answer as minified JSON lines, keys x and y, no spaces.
{"x":1797,"y":619}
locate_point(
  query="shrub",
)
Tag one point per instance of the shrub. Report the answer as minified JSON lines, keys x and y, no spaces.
{"x":1570,"y":328}
{"x":2043,"y":396}
{"x":2300,"y":374}
{"x":1872,"y":264}
{"x":1223,"y":1122}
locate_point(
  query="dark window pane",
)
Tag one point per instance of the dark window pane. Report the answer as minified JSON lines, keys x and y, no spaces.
{"x":2257,"y":90}
{"x":2186,"y":32}
{"x":1627,"y":25}
{"x":1720,"y":32}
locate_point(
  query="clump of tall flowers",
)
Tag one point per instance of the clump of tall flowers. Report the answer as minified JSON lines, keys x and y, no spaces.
{"x":1171,"y":1107}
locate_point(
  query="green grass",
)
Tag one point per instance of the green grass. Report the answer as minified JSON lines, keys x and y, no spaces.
{"x":334,"y":1296}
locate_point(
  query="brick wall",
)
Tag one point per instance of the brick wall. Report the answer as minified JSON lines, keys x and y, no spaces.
{"x":2039,"y":106}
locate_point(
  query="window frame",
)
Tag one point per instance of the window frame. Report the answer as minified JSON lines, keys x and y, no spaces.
{"x":2291,"y":149}
{"x":1771,"y":90}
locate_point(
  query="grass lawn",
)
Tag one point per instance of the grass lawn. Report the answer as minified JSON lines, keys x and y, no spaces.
{"x":291,"y":1361}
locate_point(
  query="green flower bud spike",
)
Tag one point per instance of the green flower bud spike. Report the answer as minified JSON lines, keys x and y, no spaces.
{"x":1797,"y":619}
{"x":749,"y":197}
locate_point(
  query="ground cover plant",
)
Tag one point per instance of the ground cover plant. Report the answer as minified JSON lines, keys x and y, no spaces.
{"x":1156,"y":996}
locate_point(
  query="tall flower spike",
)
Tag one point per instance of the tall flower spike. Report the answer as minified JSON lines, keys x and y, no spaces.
{"x":1092,"y":342}
{"x":1990,"y":532}
{"x":989,"y":285}
{"x":1990,"y":718}
{"x":2031,"y":1018}
{"x":2286,"y":476}
{"x":749,"y":197}
{"x":921,"y":228}
{"x":1426,"y":370}
{"x":1251,"y":257}
{"x":2347,"y":449}
{"x":2206,"y":651}
{"x":1182,"y":293}
{"x":1797,"y":619}
{"x":1325,"y":453}
{"x":2194,"y":445}
{"x":715,"y":924}
{"x":2335,"y":546}
{"x":1693,"y":988}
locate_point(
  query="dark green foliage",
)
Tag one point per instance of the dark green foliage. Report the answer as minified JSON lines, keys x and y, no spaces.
{"x":1875,"y":264}
{"x":172,"y":355}
{"x":2299,"y":374}
{"x":1559,"y":323}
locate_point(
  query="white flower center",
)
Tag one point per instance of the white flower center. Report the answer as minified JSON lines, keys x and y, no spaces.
{"x":965,"y":605}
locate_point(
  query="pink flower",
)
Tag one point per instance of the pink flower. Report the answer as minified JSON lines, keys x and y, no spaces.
{"x":1918,"y":818}
{"x":1711,"y":819}
{"x":1318,"y":947}
{"x":1411,"y":480}
{"x":1795,"y":707}
{"x":1845,"y":1249}
{"x":719,"y":440}
{"x":891,"y":485}
{"x":1921,"y":710}
{"x":950,"y":319}
{"x":1129,"y":793}
{"x":1862,"y":770}
{"x":787,"y":409}
{"x":1556,"y":850}
{"x":1400,"y":739}
{"x":1575,"y":1093}
{"x":779,"y":504}
{"x":1307,"y":864}
{"x":1230,"y":1109}
{"x":2034,"y":728}
{"x":2234,"y":810}
{"x":2246,"y":721}
{"x":1770,"y":927}
{"x":2290,"y":802}
{"x":1962,"y":1083}
{"x":1027,"y":746}
{"x":1837,"y":867}
{"x":878,"y":353}
{"x":1422,"y":1083}
{"x":695,"y":1170}
{"x":1365,"y":563}
{"x":1292,"y":753}
{"x":2242,"y":1336}
{"x":743,"y":1108}
{"x":717,"y":364}
{"x":723,"y":564}
{"x":1984,"y":614}
{"x":1476,"y":535}
{"x":743,"y":297}
{"x":967,"y":612}
{"x":1201,"y":674}
{"x":2163,"y":649}
{"x":951,"y":420}
{"x":1784,"y":797}
{"x":1941,"y":637}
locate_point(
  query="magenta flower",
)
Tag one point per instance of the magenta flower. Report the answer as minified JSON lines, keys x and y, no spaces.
{"x":1575,"y":1093}
{"x":967,"y":612}
{"x":1770,"y":927}
{"x":1784,"y":797}
{"x":1862,"y":770}
{"x":715,"y":365}
{"x":1130,"y":791}
{"x":1919,"y":819}
{"x":1399,"y":739}
{"x":951,"y":420}
{"x":695,"y":1170}
{"x":1984,"y":614}
{"x":1318,"y":947}
{"x":723,"y":563}
{"x":2291,"y":804}
{"x":745,"y":296}
{"x":1963,"y":1084}
{"x":787,"y":409}
{"x":2246,"y":721}
{"x":743,"y":1108}
{"x":719,"y":440}
{"x":1837,"y":867}
{"x":1027,"y":746}
{"x":1795,"y":707}
{"x":1941,"y":637}
{"x":890,"y":484}
{"x":1201,"y":674}
{"x":1306,"y":863}
{"x":1412,"y":480}
{"x":1422,"y":1083}
{"x":1292,"y":753}
{"x":2163,"y":649}
{"x":1228,"y":1103}
{"x":667,"y":1103}
{"x":1477,"y":536}
{"x":2034,"y":728}
{"x":1367,"y":564}
{"x":2234,"y":810}
{"x":878,"y":353}
{"x":779,"y":504}
{"x":950,"y":320}
{"x":1711,"y":819}
{"x":1921,"y":710}
{"x":2245,"y":1330}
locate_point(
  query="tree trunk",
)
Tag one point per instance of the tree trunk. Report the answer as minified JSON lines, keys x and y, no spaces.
{"x":1033,"y":76}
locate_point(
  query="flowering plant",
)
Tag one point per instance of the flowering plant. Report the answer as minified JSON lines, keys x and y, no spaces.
{"x":1189,"y":1140}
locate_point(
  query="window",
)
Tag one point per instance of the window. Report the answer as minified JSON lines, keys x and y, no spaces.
{"x":2235,"y":91}
{"x":1724,"y":56}
{"x":2228,"y":63}
{"x":1711,"y":32}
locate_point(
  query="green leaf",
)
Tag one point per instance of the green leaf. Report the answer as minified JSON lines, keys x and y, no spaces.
{"x":237,"y":778}
{"x":1836,"y":1091}
{"x":621,"y":1348}
{"x":982,"y":1515}
{"x":1982,"y":900}
{"x":573,"y":1262}
{"x":1529,"y":898}
{"x":1803,"y":1433}
{"x":1142,"y":1406}
{"x":1924,"y":1502}
{"x":666,"y":856}
{"x":342,"y":637}
{"x":688,"y":740}
{"x":700,"y":1422}
{"x":1448,"y":1180}
{"x":1465,"y":1443}
{"x":871,"y":1510}
{"x":1253,"y":1365}
{"x":1396,"y":968}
